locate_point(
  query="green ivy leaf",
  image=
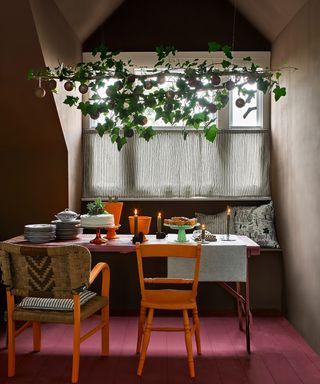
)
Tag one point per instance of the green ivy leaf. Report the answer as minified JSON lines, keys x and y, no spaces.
{"x":71,"y":100}
{"x":213,"y":46}
{"x":102,"y":49}
{"x":225,"y":63}
{"x":211,"y":133}
{"x":121,"y":141}
{"x":262,"y":85}
{"x":227,"y":51}
{"x":247,"y":58}
{"x":30,"y":74}
{"x":101,"y":129}
{"x":148,"y":133}
{"x":279,"y":92}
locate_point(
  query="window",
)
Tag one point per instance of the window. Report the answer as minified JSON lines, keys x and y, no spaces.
{"x":235,"y":166}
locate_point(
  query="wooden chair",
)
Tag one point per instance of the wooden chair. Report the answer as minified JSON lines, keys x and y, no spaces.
{"x":168,"y":299}
{"x":53,"y":272}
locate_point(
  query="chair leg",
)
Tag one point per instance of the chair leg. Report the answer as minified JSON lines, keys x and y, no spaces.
{"x":76,"y":340}
{"x":196,"y":322}
{"x":11,"y":348}
{"x":141,"y":322}
{"x":105,"y":331}
{"x":145,"y":342}
{"x":36,"y":330}
{"x":188,"y":340}
{"x":11,"y":336}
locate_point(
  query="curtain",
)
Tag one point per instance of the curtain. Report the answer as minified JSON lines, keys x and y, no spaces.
{"x":235,"y":166}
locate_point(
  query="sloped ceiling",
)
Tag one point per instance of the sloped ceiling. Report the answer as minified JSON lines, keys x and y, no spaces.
{"x":85,"y":16}
{"x":269,"y":16}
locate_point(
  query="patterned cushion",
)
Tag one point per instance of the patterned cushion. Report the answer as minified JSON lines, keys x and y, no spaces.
{"x":256,"y":223}
{"x":216,"y":224}
{"x":52,"y":304}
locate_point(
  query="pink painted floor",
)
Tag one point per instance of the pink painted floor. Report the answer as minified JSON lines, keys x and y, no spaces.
{"x":279,"y":355}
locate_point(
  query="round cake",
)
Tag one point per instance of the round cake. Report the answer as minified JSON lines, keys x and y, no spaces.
{"x":180,"y":220}
{"x":96,"y":221}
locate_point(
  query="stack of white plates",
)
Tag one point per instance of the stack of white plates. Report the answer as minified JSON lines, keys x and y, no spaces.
{"x":39,"y":233}
{"x":67,"y":230}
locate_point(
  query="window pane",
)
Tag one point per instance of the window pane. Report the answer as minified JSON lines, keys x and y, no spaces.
{"x":253,"y":119}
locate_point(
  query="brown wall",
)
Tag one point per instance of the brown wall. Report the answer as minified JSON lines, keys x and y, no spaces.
{"x":188,"y":25}
{"x":64,"y":47}
{"x":35,"y":152}
{"x":295,"y":167}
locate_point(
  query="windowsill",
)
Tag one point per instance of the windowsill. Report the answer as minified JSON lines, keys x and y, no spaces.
{"x":222,"y":198}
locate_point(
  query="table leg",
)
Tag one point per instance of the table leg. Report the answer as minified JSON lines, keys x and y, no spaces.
{"x":239,"y":306}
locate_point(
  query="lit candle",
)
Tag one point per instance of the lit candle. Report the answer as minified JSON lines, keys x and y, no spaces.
{"x":228,"y":221}
{"x":159,"y":224}
{"x":135,"y":222}
{"x":203,"y":232}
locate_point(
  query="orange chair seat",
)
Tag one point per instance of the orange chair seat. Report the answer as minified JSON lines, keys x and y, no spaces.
{"x":168,"y":299}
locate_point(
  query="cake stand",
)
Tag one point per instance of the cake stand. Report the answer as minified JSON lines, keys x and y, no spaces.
{"x":182,"y":238}
{"x":98,"y":240}
{"x":111,"y":232}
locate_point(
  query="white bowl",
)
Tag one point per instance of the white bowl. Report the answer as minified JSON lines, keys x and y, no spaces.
{"x":67,"y":215}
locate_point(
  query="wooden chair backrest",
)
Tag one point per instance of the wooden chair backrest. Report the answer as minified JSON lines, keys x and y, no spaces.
{"x":44,"y":271}
{"x":169,"y":250}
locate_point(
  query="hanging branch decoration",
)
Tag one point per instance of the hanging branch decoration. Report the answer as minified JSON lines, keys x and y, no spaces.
{"x":180,"y":93}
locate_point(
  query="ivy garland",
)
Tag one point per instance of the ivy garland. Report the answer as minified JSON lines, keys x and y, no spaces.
{"x":197,"y":90}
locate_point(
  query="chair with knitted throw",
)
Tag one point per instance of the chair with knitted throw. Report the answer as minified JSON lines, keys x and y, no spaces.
{"x":52,"y":282}
{"x":168,"y":299}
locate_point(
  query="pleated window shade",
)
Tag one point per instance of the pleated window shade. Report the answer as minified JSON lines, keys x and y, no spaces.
{"x":235,"y":165}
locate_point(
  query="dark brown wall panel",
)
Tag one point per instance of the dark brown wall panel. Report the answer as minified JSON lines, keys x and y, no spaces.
{"x":142,"y":25}
{"x":33,"y":155}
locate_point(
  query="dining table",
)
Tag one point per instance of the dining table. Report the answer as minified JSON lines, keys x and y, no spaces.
{"x":223,"y":261}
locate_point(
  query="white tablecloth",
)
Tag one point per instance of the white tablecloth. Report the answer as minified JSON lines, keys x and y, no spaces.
{"x":220,"y":261}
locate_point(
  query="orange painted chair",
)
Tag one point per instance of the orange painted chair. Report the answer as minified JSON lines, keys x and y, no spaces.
{"x":46,"y":275}
{"x":168,"y":299}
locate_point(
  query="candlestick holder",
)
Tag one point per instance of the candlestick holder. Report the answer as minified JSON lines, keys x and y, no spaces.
{"x":160,"y":235}
{"x":204,"y":241}
{"x":140,"y":238}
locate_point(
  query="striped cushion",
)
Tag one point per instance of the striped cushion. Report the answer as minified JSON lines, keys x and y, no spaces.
{"x":52,"y":304}
{"x":216,"y":224}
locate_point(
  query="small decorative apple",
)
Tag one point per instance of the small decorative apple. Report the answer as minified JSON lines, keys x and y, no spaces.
{"x":170,"y":94}
{"x":212,"y":108}
{"x":230,"y":85}
{"x":240,"y":103}
{"x":215,"y":80}
{"x":68,"y":86}
{"x":83,"y":88}
{"x":52,"y":84}
{"x":40,"y":92}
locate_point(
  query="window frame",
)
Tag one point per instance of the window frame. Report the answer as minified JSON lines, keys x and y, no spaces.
{"x":145,"y":59}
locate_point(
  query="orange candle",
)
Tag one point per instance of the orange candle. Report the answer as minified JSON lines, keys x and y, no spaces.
{"x":135,"y":222}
